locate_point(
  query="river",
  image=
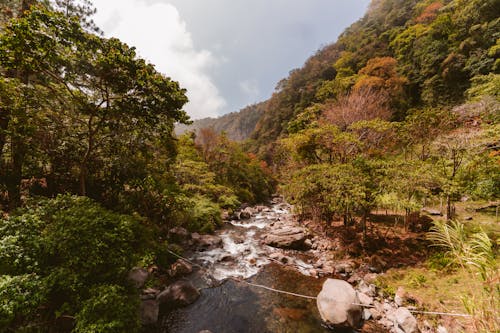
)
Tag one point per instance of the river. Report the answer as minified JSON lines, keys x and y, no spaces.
{"x":229,"y":306}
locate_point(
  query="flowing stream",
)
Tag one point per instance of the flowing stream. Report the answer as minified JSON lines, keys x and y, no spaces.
{"x":228,"y":306}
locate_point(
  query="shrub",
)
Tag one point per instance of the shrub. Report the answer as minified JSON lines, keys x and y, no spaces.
{"x":57,"y":252}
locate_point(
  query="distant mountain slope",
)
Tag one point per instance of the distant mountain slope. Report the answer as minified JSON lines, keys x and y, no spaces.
{"x":237,"y":125}
{"x":429,"y":52}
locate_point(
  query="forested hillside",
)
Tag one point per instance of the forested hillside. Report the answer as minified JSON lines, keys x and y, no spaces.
{"x":414,"y":53}
{"x":238,"y":126}
{"x":400,"y":115}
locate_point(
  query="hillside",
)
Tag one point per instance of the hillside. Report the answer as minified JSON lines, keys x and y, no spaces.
{"x":420,"y":53}
{"x":237,"y":125}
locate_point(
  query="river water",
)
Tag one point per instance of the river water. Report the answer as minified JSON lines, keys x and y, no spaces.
{"x":229,"y":306}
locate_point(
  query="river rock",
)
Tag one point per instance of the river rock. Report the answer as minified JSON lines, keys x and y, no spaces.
{"x":287,"y":238}
{"x":336,"y":305}
{"x":138,"y":277}
{"x":149,"y":311}
{"x":365,"y":299}
{"x":206,"y":241}
{"x":181,"y":293}
{"x":406,"y":321}
{"x":180,"y":268}
{"x":278,"y":256}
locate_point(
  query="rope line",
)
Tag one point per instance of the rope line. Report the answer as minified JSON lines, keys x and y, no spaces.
{"x":312,"y":297}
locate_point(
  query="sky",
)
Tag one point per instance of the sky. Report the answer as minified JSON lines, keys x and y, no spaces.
{"x":226,"y":53}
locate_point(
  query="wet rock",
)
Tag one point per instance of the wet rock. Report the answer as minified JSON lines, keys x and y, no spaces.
{"x":287,"y":238}
{"x":335,"y":305}
{"x":149,"y":310}
{"x":245,"y":215}
{"x":280,"y":257}
{"x":406,"y":321}
{"x":181,"y":293}
{"x":178,"y":235}
{"x":206,"y":241}
{"x":138,"y":277}
{"x":149,"y":293}
{"x":180,"y":268}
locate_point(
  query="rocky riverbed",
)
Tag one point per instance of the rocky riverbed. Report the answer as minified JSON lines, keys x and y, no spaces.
{"x":267,"y":245}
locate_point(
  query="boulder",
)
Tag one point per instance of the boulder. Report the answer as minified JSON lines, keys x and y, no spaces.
{"x":138,"y":277}
{"x":286,"y":238}
{"x":205,"y":242}
{"x":405,"y":320}
{"x":149,"y":311}
{"x":180,"y":268}
{"x":179,"y":294}
{"x":336,"y":305}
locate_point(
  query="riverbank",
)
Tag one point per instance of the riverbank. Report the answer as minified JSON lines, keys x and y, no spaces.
{"x":269,"y":246}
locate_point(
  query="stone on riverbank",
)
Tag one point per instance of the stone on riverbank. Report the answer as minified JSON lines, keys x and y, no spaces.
{"x":180,"y":268}
{"x":287,"y":238}
{"x":181,"y":293}
{"x":205,"y":242}
{"x":336,"y":305}
{"x":406,"y":321}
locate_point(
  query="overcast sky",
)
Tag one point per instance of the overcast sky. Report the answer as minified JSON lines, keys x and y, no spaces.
{"x":227,"y":53}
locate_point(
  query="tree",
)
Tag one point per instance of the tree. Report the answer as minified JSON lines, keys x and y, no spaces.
{"x":101,"y":92}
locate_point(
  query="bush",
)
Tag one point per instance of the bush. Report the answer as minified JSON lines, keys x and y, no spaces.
{"x":69,"y":245}
{"x":108,"y":310}
{"x":205,"y":215}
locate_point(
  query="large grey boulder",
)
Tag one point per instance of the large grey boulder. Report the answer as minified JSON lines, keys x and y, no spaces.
{"x":287,"y":238}
{"x":405,"y":321}
{"x":181,"y":293}
{"x":336,"y":305}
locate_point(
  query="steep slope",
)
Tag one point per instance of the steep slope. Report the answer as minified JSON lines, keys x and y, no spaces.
{"x":439,"y":49}
{"x":237,"y":125}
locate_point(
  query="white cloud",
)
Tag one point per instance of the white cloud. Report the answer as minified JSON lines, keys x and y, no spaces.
{"x":161,"y":37}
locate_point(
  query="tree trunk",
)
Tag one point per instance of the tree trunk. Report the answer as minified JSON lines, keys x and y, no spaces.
{"x":83,"y":180}
{"x":449,"y":213}
{"x":15,"y":176}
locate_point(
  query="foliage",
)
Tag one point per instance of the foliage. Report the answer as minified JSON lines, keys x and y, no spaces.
{"x":41,"y":253}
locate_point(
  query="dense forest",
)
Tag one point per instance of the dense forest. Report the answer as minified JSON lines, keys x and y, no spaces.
{"x":401,"y":113}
